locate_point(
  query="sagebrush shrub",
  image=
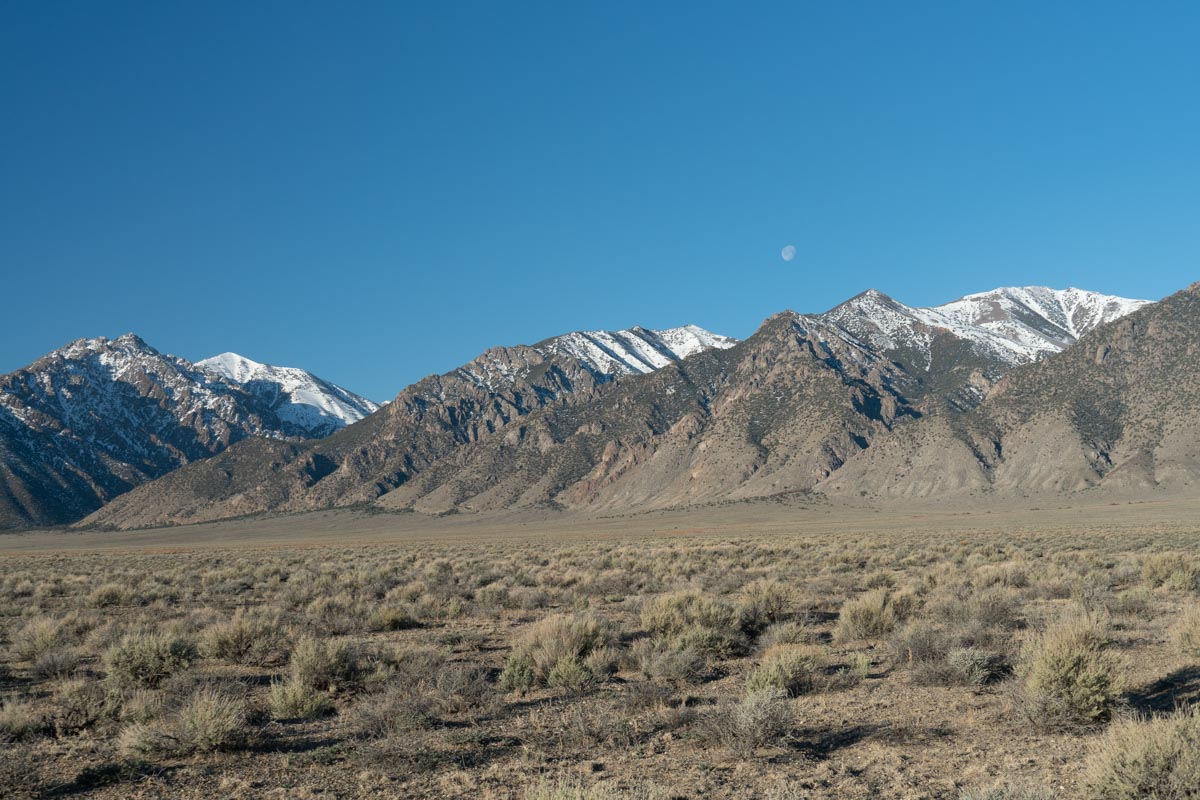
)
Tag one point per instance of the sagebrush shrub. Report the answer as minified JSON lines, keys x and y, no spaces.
{"x":210,"y":719}
{"x":247,"y":638}
{"x":37,"y":636}
{"x":792,"y":632}
{"x":1069,"y":677}
{"x":292,"y":699}
{"x":147,"y":659}
{"x":869,"y":616}
{"x":1006,"y":791}
{"x":676,"y":612}
{"x":669,"y":660}
{"x":1186,"y":631}
{"x":553,"y":652}
{"x":767,"y":601}
{"x":325,"y":663}
{"x":392,"y":618}
{"x":758,"y":719}
{"x":58,"y":662}
{"x":18,"y":719}
{"x":80,"y":703}
{"x":1146,"y":758}
{"x":788,"y":668}
{"x":395,"y":710}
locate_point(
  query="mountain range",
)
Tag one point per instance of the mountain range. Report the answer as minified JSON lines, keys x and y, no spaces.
{"x":97,"y":417}
{"x":1018,"y":390}
{"x":1013,"y":392}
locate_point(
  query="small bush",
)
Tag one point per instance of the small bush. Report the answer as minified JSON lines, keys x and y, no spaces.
{"x":1186,"y":632}
{"x":854,"y":672}
{"x":767,"y":601}
{"x":1069,"y":678}
{"x":395,"y":710}
{"x":759,"y":719}
{"x":291,"y":699}
{"x":1006,"y":791}
{"x":59,"y":662}
{"x":1146,"y":758}
{"x":247,"y":638}
{"x":392,"y":618}
{"x":669,"y":660}
{"x":37,"y":636}
{"x":869,"y":616}
{"x":81,"y":703}
{"x":570,"y":790}
{"x":553,"y":652}
{"x":110,"y":594}
{"x":975,"y":668}
{"x":791,"y":669}
{"x":18,"y":720}
{"x":147,"y":659}
{"x":699,"y":616}
{"x":1175,"y":571}
{"x":459,"y":688}
{"x":518,"y":674}
{"x":325,"y":663}
{"x":786,"y":633}
{"x":210,"y":719}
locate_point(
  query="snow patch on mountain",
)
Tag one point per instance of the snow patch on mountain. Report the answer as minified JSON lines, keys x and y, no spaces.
{"x":635,"y":351}
{"x":1011,"y":325}
{"x":306,"y":404}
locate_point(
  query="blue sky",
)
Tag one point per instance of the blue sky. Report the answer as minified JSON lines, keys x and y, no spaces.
{"x":380,"y":191}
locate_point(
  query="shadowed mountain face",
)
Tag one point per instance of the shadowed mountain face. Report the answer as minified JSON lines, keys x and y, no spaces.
{"x":1118,"y":410}
{"x":92,"y":420}
{"x":97,"y":417}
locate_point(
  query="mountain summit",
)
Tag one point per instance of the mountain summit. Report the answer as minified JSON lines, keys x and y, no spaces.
{"x":588,"y":421}
{"x":93,"y":419}
{"x":307,"y":406}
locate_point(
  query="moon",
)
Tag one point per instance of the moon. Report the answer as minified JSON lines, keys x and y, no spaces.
{"x":788,"y":252}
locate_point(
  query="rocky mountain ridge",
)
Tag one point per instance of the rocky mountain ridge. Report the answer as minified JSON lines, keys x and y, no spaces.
{"x":798,"y":407}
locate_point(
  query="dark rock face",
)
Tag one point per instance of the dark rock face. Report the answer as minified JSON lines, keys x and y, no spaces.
{"x":97,"y":417}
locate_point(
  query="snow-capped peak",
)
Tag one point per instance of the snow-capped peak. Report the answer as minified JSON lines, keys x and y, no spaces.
{"x":1011,"y":325}
{"x":636,"y":350}
{"x":309,"y":405}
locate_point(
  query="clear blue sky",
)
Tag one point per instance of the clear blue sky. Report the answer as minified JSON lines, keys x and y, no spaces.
{"x":380,"y":191}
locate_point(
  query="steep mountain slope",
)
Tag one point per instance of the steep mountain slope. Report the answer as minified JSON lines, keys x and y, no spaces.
{"x":959,"y":349}
{"x":92,"y":419}
{"x":1119,"y":409}
{"x":306,"y":405}
{"x":426,"y":422}
{"x":796,"y":407}
{"x":775,"y":413}
{"x":636,"y":351}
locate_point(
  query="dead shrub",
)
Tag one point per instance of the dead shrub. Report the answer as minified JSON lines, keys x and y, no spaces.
{"x":759,"y":719}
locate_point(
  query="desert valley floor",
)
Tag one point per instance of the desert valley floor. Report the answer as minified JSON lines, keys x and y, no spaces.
{"x":773,"y":649}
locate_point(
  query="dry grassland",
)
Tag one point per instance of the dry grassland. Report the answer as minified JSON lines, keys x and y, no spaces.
{"x":746,"y":651}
